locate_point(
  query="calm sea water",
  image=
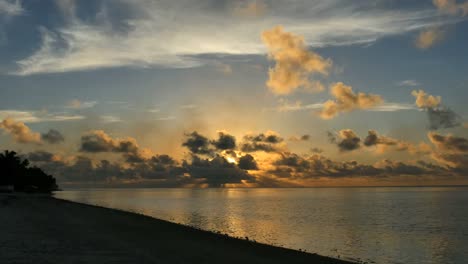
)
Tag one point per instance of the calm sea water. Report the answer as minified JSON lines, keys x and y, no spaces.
{"x":383,"y":225}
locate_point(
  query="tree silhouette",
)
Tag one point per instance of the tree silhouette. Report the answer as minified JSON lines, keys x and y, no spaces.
{"x":16,"y":172}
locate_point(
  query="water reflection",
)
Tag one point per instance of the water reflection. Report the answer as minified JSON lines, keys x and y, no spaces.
{"x":385,"y":225}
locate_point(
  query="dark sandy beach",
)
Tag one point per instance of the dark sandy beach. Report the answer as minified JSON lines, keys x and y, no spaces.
{"x":49,"y":230}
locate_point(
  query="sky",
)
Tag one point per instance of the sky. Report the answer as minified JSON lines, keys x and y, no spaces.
{"x":237,"y":93}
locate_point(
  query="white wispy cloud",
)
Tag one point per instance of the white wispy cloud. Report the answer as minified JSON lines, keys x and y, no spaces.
{"x":174,"y":33}
{"x":411,"y":83}
{"x":285,"y":106}
{"x":166,"y":118}
{"x":38,"y":116}
{"x":153,"y":110}
{"x":110,"y":119}
{"x":11,"y":8}
{"x":189,"y":106}
{"x":77,"y":104}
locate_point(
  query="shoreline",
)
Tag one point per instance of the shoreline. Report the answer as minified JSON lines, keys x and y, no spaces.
{"x":44,"y":229}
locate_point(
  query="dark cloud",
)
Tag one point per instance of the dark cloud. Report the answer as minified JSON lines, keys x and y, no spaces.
{"x":294,"y":166}
{"x":252,"y":147}
{"x":197,"y":143}
{"x":160,"y":170}
{"x":247,"y":162}
{"x":301,"y":138}
{"x":159,"y":167}
{"x":371,"y":139}
{"x":374,"y":139}
{"x":267,"y":142}
{"x":438,"y":115}
{"x":40,"y":156}
{"x":316,"y":150}
{"x":389,"y":167}
{"x":442,"y":118}
{"x":99,"y":141}
{"x":216,"y":172}
{"x":52,"y":137}
{"x":211,"y":166}
{"x":134,"y":157}
{"x":449,"y":142}
{"x":268,"y":137}
{"x":345,"y":139}
{"x":451,"y":151}
{"x":224,"y":141}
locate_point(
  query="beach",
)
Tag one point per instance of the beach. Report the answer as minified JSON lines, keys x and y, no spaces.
{"x":42,"y":229}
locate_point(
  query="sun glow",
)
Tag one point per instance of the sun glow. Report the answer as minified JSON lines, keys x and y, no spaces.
{"x":231,"y":160}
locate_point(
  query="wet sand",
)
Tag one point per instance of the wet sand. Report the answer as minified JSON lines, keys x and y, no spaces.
{"x":42,"y":229}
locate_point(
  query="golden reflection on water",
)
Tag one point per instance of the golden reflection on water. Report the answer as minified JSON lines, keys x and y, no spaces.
{"x":385,"y":225}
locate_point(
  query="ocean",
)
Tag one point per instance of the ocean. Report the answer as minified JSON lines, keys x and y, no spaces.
{"x":381,"y":224}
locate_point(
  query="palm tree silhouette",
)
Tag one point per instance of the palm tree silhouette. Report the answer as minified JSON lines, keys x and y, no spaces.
{"x":15,"y":171}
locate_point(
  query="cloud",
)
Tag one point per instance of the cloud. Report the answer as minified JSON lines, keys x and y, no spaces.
{"x":285,"y":106}
{"x":110,"y":119}
{"x":294,"y":166}
{"x":247,"y":162}
{"x":281,"y":168}
{"x":52,"y":137}
{"x":38,"y":116}
{"x":294,"y":63}
{"x":217,"y":172}
{"x":390,"y":167}
{"x":188,"y":106}
{"x":452,"y":7}
{"x":98,"y":141}
{"x":223,"y":68}
{"x":158,"y":171}
{"x":346,"y":101}
{"x":408,"y":83}
{"x":11,"y":7}
{"x":299,"y":138}
{"x":251,"y":8}
{"x":439,"y":116}
{"x":224,"y":141}
{"x":345,"y":139}
{"x":449,"y":142}
{"x":442,"y":118}
{"x":424,"y":100}
{"x":77,"y":104}
{"x":429,"y":37}
{"x":20,"y":132}
{"x":433,"y":35}
{"x":451,"y":151}
{"x":348,"y":140}
{"x":42,"y":156}
{"x":108,"y":38}
{"x":316,"y":150}
{"x":197,"y":144}
{"x":383,"y":142}
{"x":269,"y":141}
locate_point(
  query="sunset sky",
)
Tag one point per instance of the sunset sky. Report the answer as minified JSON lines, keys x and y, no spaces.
{"x":265,"y":93}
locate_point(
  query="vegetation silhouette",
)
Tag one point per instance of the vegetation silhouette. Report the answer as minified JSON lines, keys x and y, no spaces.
{"x":16,"y":172}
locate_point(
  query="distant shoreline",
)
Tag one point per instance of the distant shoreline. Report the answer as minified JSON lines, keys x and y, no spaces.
{"x":71,"y":188}
{"x":43,"y":229}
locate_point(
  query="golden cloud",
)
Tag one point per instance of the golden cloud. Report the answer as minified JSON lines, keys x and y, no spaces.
{"x":253,"y":8}
{"x":424,"y":100}
{"x":294,"y":62}
{"x":20,"y":132}
{"x":346,"y":101}
{"x":452,"y":7}
{"x":429,"y":38}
